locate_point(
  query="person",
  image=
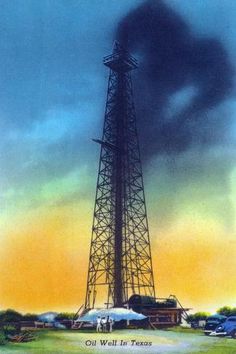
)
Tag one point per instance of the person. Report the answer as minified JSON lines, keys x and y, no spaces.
{"x":99,"y":324}
{"x":103,"y":323}
{"x":109,"y":324}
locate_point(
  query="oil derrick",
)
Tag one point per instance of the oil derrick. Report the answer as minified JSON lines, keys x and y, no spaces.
{"x":120,"y":262}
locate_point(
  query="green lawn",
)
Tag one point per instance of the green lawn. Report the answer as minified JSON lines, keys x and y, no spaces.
{"x":171,"y":342}
{"x":179,"y":329}
{"x":48,"y":341}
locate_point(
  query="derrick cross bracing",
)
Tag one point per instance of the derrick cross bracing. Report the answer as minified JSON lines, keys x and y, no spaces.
{"x":120,"y":261}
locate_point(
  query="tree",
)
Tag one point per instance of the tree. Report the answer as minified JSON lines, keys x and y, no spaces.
{"x":227,"y":311}
{"x":30,"y":317}
{"x":10,"y":316}
{"x":65,"y":316}
{"x":198,"y":316}
{"x":233,"y":311}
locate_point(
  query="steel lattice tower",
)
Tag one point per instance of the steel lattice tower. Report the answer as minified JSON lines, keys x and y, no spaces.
{"x":120,"y":254}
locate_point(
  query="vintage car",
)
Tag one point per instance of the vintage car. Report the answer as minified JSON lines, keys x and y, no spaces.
{"x":212,"y":322}
{"x":228,"y":328}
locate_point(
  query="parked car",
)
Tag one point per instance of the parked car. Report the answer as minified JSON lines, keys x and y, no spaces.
{"x":198,"y":324}
{"x":212,"y":322}
{"x":228,"y":328}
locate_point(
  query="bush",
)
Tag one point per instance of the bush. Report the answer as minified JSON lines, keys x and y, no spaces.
{"x":10,"y":330}
{"x":2,"y":338}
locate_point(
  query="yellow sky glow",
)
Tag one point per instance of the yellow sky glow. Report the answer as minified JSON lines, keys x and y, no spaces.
{"x":44,"y":262}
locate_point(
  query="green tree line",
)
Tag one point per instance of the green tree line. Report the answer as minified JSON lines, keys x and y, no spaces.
{"x":224,"y":311}
{"x":9,"y":315}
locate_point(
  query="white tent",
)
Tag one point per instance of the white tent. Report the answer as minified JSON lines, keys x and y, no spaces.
{"x":117,"y":314}
{"x":48,"y":317}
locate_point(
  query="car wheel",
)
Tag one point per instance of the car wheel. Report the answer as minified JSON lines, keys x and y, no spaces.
{"x":207,"y":334}
{"x":233,"y":334}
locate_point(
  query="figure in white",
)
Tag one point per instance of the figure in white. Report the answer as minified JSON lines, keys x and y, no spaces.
{"x":99,"y":324}
{"x":103,"y":323}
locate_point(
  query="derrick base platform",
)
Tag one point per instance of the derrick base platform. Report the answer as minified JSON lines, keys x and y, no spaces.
{"x":161,"y":312}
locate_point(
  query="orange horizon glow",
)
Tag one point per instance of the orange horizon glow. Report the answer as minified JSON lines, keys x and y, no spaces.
{"x":44,"y":262}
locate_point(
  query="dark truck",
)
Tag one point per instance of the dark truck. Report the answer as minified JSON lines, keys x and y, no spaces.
{"x":212,"y":323}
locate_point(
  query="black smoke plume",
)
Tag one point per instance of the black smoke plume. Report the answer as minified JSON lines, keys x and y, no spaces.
{"x":172,"y":58}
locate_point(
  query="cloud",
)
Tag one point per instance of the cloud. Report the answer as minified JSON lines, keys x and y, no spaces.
{"x":183,"y":91}
{"x":173,"y":59}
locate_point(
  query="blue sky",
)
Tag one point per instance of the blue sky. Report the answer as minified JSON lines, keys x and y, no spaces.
{"x":51,"y":66}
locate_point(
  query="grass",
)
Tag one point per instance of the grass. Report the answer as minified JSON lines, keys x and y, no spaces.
{"x":222,"y":346}
{"x":179,"y":329}
{"x":180,"y":340}
{"x":47,"y":341}
{"x":219,"y":346}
